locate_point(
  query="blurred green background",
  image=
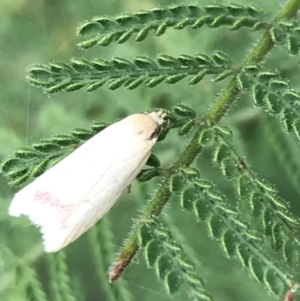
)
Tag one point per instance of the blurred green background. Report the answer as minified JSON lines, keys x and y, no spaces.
{"x":40,"y":31}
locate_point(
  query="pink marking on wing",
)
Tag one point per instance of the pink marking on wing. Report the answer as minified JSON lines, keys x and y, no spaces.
{"x":46,"y":197}
{"x":63,"y":210}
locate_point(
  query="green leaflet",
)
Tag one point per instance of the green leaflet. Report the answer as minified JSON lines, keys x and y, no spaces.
{"x":30,"y":162}
{"x":236,"y":239}
{"x":171,"y":265}
{"x":263,"y":203}
{"x":103,"y":31}
{"x":90,"y":75}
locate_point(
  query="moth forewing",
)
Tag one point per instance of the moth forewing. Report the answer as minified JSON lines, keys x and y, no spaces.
{"x":74,"y":194}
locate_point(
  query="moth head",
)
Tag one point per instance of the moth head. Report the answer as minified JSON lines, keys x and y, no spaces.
{"x":158,"y":116}
{"x":148,"y":126}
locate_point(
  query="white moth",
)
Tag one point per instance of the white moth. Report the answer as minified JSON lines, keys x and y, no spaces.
{"x":74,"y":194}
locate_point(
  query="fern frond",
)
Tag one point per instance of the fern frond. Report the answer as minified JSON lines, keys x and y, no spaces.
{"x":172,"y":266}
{"x":118,"y":72}
{"x":237,"y":241}
{"x":102,"y":31}
{"x":103,"y":250}
{"x":60,"y":279}
{"x":30,"y":162}
{"x":264,"y":204}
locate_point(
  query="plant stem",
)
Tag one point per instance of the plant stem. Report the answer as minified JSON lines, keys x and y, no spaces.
{"x":219,"y":109}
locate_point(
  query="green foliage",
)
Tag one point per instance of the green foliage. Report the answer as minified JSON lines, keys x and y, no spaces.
{"x":61,"y":284}
{"x":249,"y":205}
{"x":28,"y":284}
{"x":102,"y":244}
{"x":284,"y":147}
{"x":274,"y":95}
{"x":167,"y":257}
{"x":119,"y":72}
{"x":32,"y":162}
{"x":236,"y":239}
{"x":287,"y":34}
{"x":264,"y":204}
{"x":102,"y":31}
